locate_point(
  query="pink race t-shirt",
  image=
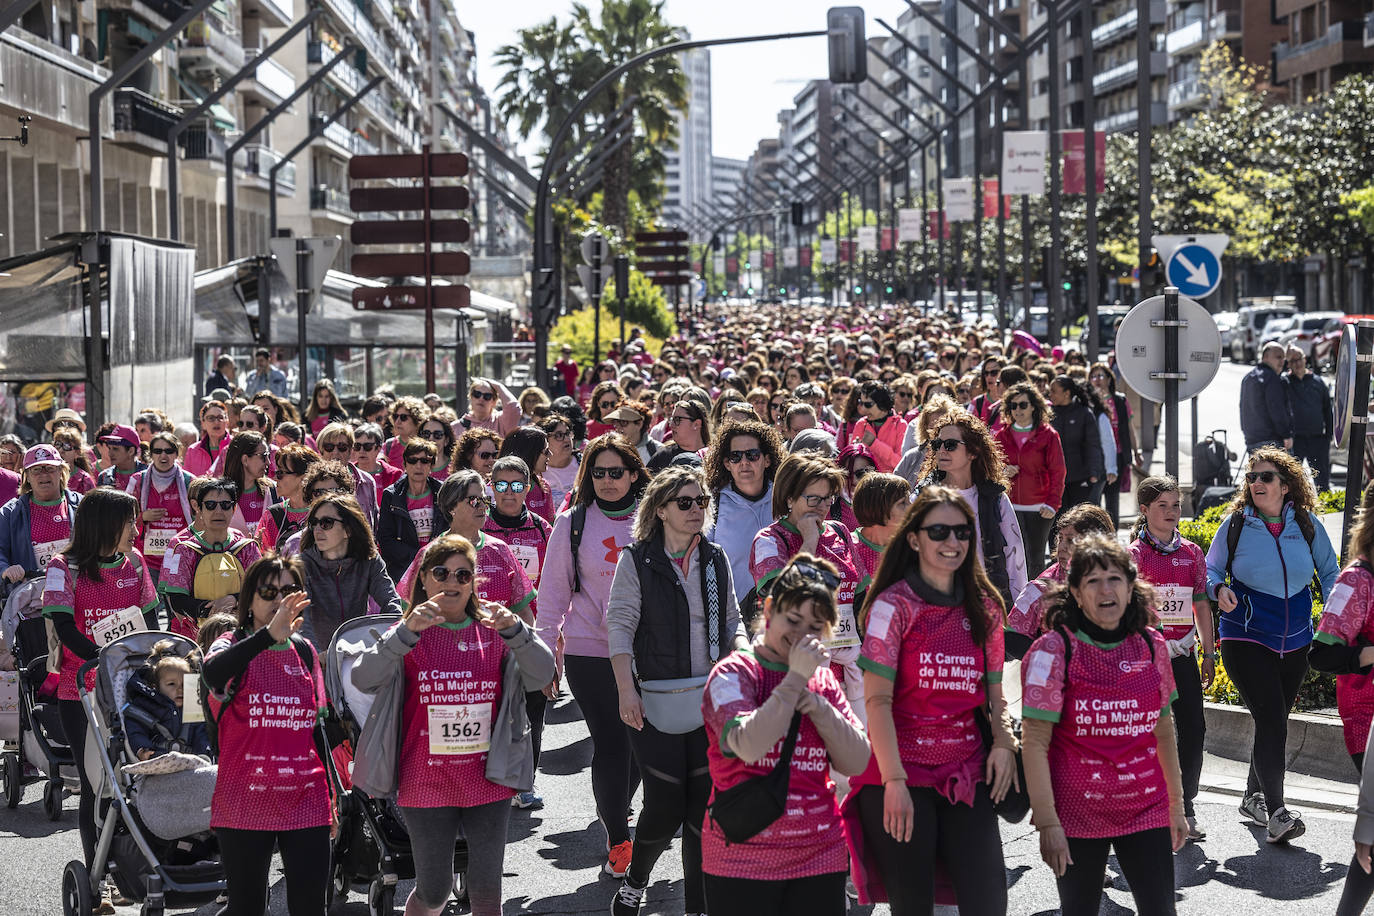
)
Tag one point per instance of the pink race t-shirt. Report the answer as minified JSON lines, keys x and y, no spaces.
{"x":155,"y":538}
{"x":1027,"y":613}
{"x":270,"y":537}
{"x":125,"y":588}
{"x":248,"y":513}
{"x":780,"y":541}
{"x":809,"y":838}
{"x":528,"y":543}
{"x":180,"y":562}
{"x":50,"y":526}
{"x":1348,"y":620}
{"x":866,"y":556}
{"x":1179,"y":579}
{"x":539,"y":500}
{"x":422,"y":515}
{"x":940,"y":677}
{"x":500,"y":576}
{"x":452,"y":695}
{"x":270,"y":775}
{"x":1103,"y":756}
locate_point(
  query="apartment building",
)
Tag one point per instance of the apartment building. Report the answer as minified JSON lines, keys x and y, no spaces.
{"x":1326,"y":41}
{"x":687,"y":183}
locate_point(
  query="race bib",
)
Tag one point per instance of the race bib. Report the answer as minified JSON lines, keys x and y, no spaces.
{"x":120,"y":623}
{"x":528,"y":557}
{"x":459,"y":728}
{"x":157,"y":541}
{"x":1175,"y":605}
{"x":846,"y":632}
{"x":191,"y":710}
{"x":44,"y":552}
{"x":424,"y":521}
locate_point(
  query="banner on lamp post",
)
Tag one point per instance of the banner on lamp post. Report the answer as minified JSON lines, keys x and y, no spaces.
{"x":868,"y":238}
{"x":789,"y":257}
{"x":937,"y":225}
{"x":732,"y":266}
{"x":718,"y":264}
{"x":755,"y":258}
{"x":768,"y":260}
{"x":1023,"y":161}
{"x":909,"y":226}
{"x":959,"y":200}
{"x":1075,"y":161}
{"x":830,"y":251}
{"x":990,"y":196}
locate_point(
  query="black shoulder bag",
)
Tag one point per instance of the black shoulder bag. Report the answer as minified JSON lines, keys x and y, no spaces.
{"x":1015,"y":805}
{"x":751,"y":807}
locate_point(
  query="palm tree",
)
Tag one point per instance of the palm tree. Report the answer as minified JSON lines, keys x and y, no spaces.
{"x":535,"y":92}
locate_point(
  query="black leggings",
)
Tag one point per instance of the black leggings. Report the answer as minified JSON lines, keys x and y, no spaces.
{"x":614,"y":774}
{"x":677,"y":783}
{"x":964,"y":838}
{"x":1268,"y":685}
{"x":1035,"y":536}
{"x":247,"y":858}
{"x":1111,"y":501}
{"x":817,"y":895}
{"x":535,"y":706}
{"x":74,"y":724}
{"x":1190,"y":726}
{"x":1359,"y":887}
{"x":1146,"y":859}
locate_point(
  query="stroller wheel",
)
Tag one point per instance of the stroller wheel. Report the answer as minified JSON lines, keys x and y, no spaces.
{"x":460,"y":887}
{"x":12,"y":772}
{"x":52,"y":800}
{"x":337,"y":892}
{"x":381,"y":898}
{"x":77,"y":896}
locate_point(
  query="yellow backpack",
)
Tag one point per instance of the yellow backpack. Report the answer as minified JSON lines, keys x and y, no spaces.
{"x":218,"y":572}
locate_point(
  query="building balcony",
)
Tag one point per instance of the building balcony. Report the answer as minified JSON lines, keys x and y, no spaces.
{"x":157,"y":13}
{"x":212,"y":46}
{"x":203,"y":143}
{"x":142,"y":122}
{"x":1124,"y":26}
{"x":275,"y":13}
{"x":1125,"y":73}
{"x":1202,"y":32}
{"x":271,"y":83}
{"x":330,"y":203}
{"x":256,"y":162}
{"x":1369,"y":30}
{"x":354,"y":20}
{"x":1130,"y":119}
{"x":41,"y":79}
{"x":344,"y":75}
{"x":1343,"y":45}
{"x":1187,"y":95}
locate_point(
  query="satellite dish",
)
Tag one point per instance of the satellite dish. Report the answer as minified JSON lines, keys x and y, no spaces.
{"x":1140,"y":348}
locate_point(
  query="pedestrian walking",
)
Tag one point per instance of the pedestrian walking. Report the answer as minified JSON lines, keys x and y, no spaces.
{"x":1076,"y":422}
{"x":1265,"y":417}
{"x":1309,"y":404}
{"x":344,"y":573}
{"x":409,"y":514}
{"x":1034,"y":460}
{"x":164,"y":501}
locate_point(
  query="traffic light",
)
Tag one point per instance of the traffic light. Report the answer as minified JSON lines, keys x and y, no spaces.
{"x":1067,"y":286}
{"x":848,"y":46}
{"x":798,"y":214}
{"x":858,"y":290}
{"x":782,"y":291}
{"x":750,"y":291}
{"x":715,"y":242}
{"x":889,"y":289}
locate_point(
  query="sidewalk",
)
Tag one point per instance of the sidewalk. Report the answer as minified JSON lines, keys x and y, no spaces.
{"x":1227,"y":777}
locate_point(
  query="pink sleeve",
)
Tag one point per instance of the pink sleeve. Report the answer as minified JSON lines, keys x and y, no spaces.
{"x":731,"y":691}
{"x":995,"y":647}
{"x":57,"y":585}
{"x":1042,"y":678}
{"x":1199,"y":572}
{"x":407,"y":583}
{"x":826,"y":685}
{"x":148,"y":592}
{"x":766,"y":556}
{"x":884,"y":632}
{"x":1343,"y":614}
{"x":177,"y":568}
{"x":1167,"y":690}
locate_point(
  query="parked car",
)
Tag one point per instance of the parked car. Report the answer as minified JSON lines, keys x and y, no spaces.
{"x":1226,"y":325}
{"x":1273,"y":331}
{"x":1306,"y":328}
{"x":1107,"y":317}
{"x":1250,"y":323}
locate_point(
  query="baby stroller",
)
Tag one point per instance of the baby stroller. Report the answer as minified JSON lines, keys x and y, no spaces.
{"x":373,"y":847}
{"x":154,"y":837}
{"x":35,"y":745}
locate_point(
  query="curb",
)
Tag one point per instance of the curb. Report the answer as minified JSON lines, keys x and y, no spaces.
{"x":1316,"y":744}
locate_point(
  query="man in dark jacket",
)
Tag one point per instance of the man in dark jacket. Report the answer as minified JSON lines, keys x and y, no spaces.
{"x":1264,"y":416}
{"x":1309,"y":404}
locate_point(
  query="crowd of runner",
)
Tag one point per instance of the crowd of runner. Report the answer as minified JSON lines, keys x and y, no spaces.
{"x":780,"y":566}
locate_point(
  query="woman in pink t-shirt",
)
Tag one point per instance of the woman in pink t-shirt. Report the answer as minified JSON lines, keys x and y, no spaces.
{"x":932,"y":662}
{"x":268,"y":692}
{"x":880,"y":504}
{"x":1101,"y":759}
{"x":1026,"y":617}
{"x":452,"y":657}
{"x":797,"y":865}
{"x":245,"y":463}
{"x":205,"y":453}
{"x":163,"y":500}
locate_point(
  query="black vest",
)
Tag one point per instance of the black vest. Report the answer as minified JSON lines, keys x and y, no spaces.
{"x":994,"y":543}
{"x":663,"y":642}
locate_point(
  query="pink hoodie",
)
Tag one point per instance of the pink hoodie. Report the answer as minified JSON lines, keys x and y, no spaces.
{"x":581,"y":616}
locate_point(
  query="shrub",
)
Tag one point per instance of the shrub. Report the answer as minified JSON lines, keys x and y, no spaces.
{"x":578,"y":331}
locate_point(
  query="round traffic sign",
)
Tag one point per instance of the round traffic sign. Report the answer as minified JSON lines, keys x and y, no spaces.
{"x":1195,"y":270}
{"x":1140,"y":348}
{"x":1344,"y":406}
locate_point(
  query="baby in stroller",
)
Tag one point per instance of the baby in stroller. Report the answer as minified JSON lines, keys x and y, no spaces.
{"x":154,"y":717}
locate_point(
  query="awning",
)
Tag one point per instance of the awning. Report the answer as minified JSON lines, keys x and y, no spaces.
{"x":42,"y":315}
{"x":222,"y":117}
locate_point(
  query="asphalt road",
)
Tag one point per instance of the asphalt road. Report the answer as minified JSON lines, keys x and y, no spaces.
{"x":554,"y":856}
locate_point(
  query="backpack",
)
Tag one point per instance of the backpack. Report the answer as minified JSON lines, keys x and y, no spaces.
{"x":1305,"y":525}
{"x":218,"y":572}
{"x":579,"y":524}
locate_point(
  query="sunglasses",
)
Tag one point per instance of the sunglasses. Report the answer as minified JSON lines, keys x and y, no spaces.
{"x":333,"y":447}
{"x":478,"y":502}
{"x":861,"y":473}
{"x":607,"y":405}
{"x":403,"y":418}
{"x":459,"y":576}
{"x":865,"y":404}
{"x":1261,"y":476}
{"x":212,"y":504}
{"x":814,"y":501}
{"x":815,"y":572}
{"x":750,"y":455}
{"x":613,"y":473}
{"x":66,"y":448}
{"x":420,"y":459}
{"x":249,"y":425}
{"x":327,"y":491}
{"x":1020,"y":405}
{"x":562,"y":435}
{"x":992,"y":373}
{"x":270,"y":592}
{"x":938,"y":533}
{"x":162,"y":451}
{"x":486,"y":456}
{"x":324,"y":522}
{"x":685,"y":503}
{"x":364,"y":446}
{"x":482,"y":396}
{"x":841,"y":390}
{"x":948,"y":445}
{"x":510,"y":486}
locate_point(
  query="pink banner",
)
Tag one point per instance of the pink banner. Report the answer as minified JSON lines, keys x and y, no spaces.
{"x":936,"y":225}
{"x":990,"y":188}
{"x":1075,"y":168}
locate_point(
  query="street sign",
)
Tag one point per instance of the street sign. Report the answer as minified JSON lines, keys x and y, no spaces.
{"x":594,"y":248}
{"x":323,"y":251}
{"x":789,"y":257}
{"x":402,"y":200}
{"x":395,"y":298}
{"x":868,"y":238}
{"x":408,"y":165}
{"x":830,"y":251}
{"x":1192,"y":262}
{"x":909,"y":225}
{"x":408,"y":231}
{"x":1140,"y":348}
{"x":450,"y":263}
{"x":663,"y":256}
{"x":1345,"y":402}
{"x":588,"y":280}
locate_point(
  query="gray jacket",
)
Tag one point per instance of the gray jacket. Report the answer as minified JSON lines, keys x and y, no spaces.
{"x":380,"y":670}
{"x":340,"y":590}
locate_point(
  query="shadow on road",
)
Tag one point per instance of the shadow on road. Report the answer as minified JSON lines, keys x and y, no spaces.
{"x":1287,"y":872}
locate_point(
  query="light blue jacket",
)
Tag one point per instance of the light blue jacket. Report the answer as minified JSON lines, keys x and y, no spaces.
{"x":736,"y":522}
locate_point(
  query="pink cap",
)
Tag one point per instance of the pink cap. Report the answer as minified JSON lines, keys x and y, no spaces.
{"x":42,"y":454}
{"x":121,"y":435}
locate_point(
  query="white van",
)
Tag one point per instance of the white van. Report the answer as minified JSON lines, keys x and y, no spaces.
{"x":1251,"y":318}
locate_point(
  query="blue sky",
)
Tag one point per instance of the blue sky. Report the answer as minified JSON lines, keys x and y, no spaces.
{"x":750,"y":83}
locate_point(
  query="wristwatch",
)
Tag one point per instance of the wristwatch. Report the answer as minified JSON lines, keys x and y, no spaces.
{"x":1210,"y":656}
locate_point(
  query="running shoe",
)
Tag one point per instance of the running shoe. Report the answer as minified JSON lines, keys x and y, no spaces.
{"x":527,"y":801}
{"x":104,"y":906}
{"x":1285,"y":826}
{"x":627,"y":900}
{"x":618,"y":859}
{"x":1254,"y":808}
{"x":1195,"y":834}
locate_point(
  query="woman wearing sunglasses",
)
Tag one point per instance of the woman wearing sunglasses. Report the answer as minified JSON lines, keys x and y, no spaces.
{"x":207,"y":452}
{"x":1035,"y":463}
{"x":631,"y":420}
{"x":439,"y":431}
{"x":290,"y":811}
{"x":164,"y":502}
{"x":1026,"y":618}
{"x":336,"y":444}
{"x":1259,"y":569}
{"x":606,"y":397}
{"x":407,"y":413}
{"x":287,"y":516}
{"x":491,"y":405}
{"x":454,"y":773}
{"x":804,"y":490}
{"x":575,"y":590}
{"x":344,"y":574}
{"x":856,"y":461}
{"x":192,"y":594}
{"x":368,"y":456}
{"x":739,"y":472}
{"x":930,"y":787}
{"x":245,"y":463}
{"x":562,"y":467}
{"x":531,"y":445}
{"x":964,"y":457}
{"x":410,"y":515}
{"x":878,"y":428}
{"x":690,"y":425}
{"x":672,"y":616}
{"x":477,"y":450}
{"x":80,"y":471}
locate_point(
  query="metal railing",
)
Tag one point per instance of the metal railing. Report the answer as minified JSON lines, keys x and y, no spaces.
{"x":139,"y":112}
{"x":203,"y":141}
{"x":1114,"y":28}
{"x":257,"y":159}
{"x":272,"y":76}
{"x":323,"y":197}
{"x":1338,"y":32}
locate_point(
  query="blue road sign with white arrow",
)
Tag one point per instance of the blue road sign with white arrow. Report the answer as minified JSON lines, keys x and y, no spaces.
{"x":1195,"y":269}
